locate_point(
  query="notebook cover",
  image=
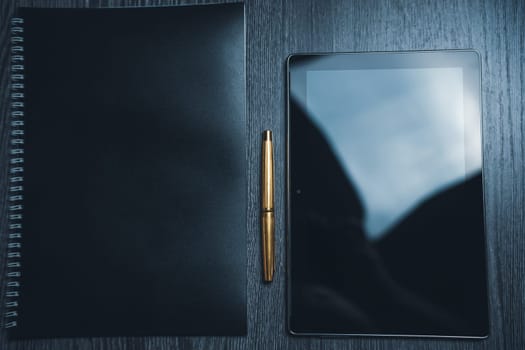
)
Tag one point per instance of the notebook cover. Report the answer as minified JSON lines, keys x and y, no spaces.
{"x":134,"y":173}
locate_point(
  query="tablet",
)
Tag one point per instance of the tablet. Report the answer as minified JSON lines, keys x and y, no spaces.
{"x":385,"y":217}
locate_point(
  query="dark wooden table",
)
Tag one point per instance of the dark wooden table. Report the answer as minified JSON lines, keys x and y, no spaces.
{"x":276,"y":28}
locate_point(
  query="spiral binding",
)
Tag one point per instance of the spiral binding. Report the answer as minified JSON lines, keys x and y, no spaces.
{"x":16,"y":170}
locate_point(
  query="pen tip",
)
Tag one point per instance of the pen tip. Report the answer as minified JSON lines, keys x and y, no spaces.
{"x":267,"y":135}
{"x":268,"y":276}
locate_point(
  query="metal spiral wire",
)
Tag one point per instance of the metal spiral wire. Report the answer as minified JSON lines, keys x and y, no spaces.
{"x":16,"y":172}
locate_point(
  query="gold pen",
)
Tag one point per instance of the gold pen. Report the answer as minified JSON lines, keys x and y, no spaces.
{"x":267,"y":218}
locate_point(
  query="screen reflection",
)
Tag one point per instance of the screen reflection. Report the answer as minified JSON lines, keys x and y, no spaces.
{"x":386,"y":215}
{"x":413,"y":144}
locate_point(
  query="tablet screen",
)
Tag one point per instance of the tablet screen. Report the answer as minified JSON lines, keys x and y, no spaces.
{"x":385,"y":195}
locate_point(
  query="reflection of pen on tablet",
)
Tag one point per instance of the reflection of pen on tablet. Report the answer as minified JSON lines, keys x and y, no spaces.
{"x":267,"y":218}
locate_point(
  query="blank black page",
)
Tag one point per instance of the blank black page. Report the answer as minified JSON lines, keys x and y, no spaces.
{"x":134,"y":189}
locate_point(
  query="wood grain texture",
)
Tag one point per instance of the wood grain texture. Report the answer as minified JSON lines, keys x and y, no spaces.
{"x":276,"y":28}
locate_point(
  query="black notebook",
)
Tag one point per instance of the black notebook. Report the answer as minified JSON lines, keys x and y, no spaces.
{"x":127,"y":194}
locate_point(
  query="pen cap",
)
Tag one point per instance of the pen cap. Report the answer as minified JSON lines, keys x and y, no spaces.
{"x":267,"y":171}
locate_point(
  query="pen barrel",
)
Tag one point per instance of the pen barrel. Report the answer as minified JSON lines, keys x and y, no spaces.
{"x":268,"y":234}
{"x":267,"y":172}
